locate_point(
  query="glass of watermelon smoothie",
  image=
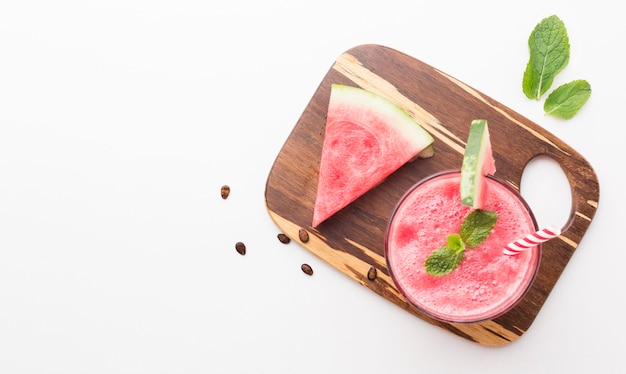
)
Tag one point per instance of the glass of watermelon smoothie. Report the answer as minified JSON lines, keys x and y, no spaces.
{"x":487,"y":283}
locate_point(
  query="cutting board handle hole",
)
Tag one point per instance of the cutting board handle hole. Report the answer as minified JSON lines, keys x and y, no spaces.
{"x":546,"y":189}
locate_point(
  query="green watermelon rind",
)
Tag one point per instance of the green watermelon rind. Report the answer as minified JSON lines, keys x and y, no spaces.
{"x":477,"y":163}
{"x":398,"y":117}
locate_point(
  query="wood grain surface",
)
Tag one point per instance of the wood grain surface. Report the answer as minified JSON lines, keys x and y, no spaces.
{"x":352,"y":240}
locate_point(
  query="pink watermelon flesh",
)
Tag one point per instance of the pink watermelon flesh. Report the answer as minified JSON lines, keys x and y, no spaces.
{"x":488,"y":167}
{"x":366,"y":139}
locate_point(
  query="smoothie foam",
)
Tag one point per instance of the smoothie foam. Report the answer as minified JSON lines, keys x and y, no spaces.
{"x":487,"y":283}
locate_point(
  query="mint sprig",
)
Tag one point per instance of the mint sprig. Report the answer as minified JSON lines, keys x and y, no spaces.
{"x":549,"y":54}
{"x":475,"y":228}
{"x":446,"y":258}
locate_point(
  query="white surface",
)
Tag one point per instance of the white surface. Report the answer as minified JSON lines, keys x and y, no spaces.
{"x":120,"y":121}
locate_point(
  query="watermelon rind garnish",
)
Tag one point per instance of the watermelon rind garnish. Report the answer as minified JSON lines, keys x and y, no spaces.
{"x":478,"y":162}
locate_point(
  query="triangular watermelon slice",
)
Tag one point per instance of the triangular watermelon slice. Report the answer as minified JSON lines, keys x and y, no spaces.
{"x":366,"y":139}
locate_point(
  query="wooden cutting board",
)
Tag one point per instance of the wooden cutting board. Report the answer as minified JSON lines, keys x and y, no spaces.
{"x":352,"y":240}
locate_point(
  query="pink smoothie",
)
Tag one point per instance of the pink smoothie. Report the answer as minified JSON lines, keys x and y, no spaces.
{"x":487,"y":283}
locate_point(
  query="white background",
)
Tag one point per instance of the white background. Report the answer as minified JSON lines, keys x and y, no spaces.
{"x":120,"y":121}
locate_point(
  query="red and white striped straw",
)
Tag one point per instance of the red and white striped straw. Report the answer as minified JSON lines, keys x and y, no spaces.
{"x":531,"y":240}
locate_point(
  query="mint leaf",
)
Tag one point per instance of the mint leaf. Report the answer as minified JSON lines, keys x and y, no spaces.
{"x":474,"y":229}
{"x":445,"y":259}
{"x":477,"y":226}
{"x":566,"y":100}
{"x":455,"y":242}
{"x":549,"y":54}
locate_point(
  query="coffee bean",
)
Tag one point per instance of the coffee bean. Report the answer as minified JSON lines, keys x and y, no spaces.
{"x":283,"y":238}
{"x":225,"y":191}
{"x":372,"y":273}
{"x":306,"y":268}
{"x":240,"y":248}
{"x":303,"y":235}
